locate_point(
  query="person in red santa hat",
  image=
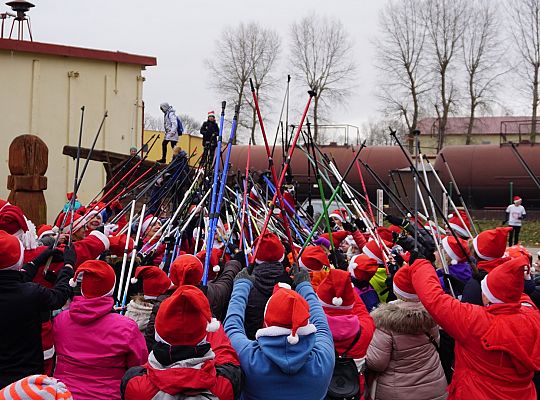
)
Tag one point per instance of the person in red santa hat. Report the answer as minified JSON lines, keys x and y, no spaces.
{"x":95,"y":346}
{"x":497,"y":344}
{"x":293,"y":349}
{"x":191,"y":358}
{"x":350,"y":323}
{"x":404,"y":349}
{"x":267,"y":271}
{"x":155,"y":283}
{"x":13,"y":221}
{"x":461,"y":229}
{"x":23,"y":303}
{"x":374,"y":250}
{"x":456,"y":254}
{"x":315,"y":260}
{"x":489,"y":248}
{"x":150,"y":233}
{"x":515,"y":214}
{"x":188,"y":269}
{"x":362,"y":269}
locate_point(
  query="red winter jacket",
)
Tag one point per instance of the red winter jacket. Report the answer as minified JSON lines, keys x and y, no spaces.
{"x":183,"y":377}
{"x":497,"y":347}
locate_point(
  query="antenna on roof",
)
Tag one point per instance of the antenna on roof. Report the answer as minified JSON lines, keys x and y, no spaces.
{"x":20,"y":7}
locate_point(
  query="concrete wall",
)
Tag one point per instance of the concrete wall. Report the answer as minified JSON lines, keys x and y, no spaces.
{"x":43,"y":95}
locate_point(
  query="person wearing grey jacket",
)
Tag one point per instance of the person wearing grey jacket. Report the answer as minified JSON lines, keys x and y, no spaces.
{"x":173,"y":128}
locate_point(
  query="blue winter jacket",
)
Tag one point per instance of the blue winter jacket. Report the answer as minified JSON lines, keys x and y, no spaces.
{"x":275,"y":369}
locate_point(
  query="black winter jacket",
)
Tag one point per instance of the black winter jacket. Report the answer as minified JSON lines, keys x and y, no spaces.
{"x":209,"y":131}
{"x":21,"y":307}
{"x":266,"y":277}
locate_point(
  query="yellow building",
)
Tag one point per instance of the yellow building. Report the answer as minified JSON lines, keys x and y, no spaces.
{"x":43,"y":87}
{"x":486,"y":130}
{"x":191,"y":144}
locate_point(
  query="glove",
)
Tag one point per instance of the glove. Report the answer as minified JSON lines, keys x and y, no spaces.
{"x":240,"y":257}
{"x":233,"y":248}
{"x":109,"y":229}
{"x":70,"y":256}
{"x":244,"y":274}
{"x":395,"y":220}
{"x":42,"y":258}
{"x":360,"y":224}
{"x":299,"y":275}
{"x":349,"y":227}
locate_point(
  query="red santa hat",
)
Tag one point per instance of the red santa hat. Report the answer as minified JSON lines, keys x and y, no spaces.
{"x":403,"y":286}
{"x":339,"y":213}
{"x":117,"y":245}
{"x":186,"y":270}
{"x":69,"y":196}
{"x":491,"y":244}
{"x":147,"y":222}
{"x":372,"y":250}
{"x":45,"y":230}
{"x":97,"y":279}
{"x":313,"y":258}
{"x":517,"y":251}
{"x":184,"y":319}
{"x":385,"y":234}
{"x":337,"y":237}
{"x":336,"y":290}
{"x":78,"y":221}
{"x":12,"y":219}
{"x":286,"y":313}
{"x":505,"y":283}
{"x":516,"y":198}
{"x":155,"y":281}
{"x":455,"y":252}
{"x":211,"y":113}
{"x":11,"y":252}
{"x":362,"y":267}
{"x":457,"y":226}
{"x":269,"y":248}
{"x":215,"y":256}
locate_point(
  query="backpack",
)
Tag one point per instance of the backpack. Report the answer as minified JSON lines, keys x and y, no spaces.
{"x":180,"y":127}
{"x":369,"y":296}
{"x":345,"y":384}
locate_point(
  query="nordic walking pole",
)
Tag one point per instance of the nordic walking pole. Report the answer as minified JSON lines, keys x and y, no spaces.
{"x":124,"y":258}
{"x":77,"y":163}
{"x":285,"y":168}
{"x":458,"y":192}
{"x":273,"y":171}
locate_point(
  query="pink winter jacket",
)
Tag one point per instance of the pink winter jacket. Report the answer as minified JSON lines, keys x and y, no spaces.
{"x":95,"y":347}
{"x":402,"y":354}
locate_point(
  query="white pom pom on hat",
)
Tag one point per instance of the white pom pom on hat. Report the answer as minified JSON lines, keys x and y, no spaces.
{"x":293,"y":339}
{"x":72,"y":282}
{"x":453,"y":262}
{"x":216,"y":268}
{"x":337,"y":301}
{"x":213,"y":325}
{"x":134,"y":280}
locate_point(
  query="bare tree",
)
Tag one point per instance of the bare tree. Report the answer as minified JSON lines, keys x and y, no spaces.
{"x":377,"y":132}
{"x":245,"y":51}
{"x":152,"y":123}
{"x":321,"y":52}
{"x":525,"y":28}
{"x":400,"y":57}
{"x":445,"y":21}
{"x":190,"y":124}
{"x":482,"y":54}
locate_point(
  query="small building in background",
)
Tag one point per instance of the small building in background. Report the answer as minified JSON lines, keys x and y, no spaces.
{"x":486,"y":130}
{"x":43,"y":87}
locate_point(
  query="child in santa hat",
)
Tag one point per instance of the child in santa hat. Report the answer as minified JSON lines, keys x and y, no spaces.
{"x":350,"y":323}
{"x":497,"y":344}
{"x":192,"y":355}
{"x":95,"y":346}
{"x":362,"y":269}
{"x":404,"y":349}
{"x":292,"y":356}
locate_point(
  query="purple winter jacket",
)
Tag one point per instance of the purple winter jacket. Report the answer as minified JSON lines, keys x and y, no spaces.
{"x":95,"y":348}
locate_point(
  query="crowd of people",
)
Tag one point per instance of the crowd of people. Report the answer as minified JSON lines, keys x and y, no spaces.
{"x":377,"y":314}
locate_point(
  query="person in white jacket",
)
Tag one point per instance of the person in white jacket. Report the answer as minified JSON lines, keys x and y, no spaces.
{"x":173,"y":128}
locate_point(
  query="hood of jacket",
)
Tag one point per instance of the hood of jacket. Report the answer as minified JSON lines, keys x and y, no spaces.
{"x":343,"y":326}
{"x":165,"y":107}
{"x":288,"y":357}
{"x":515,"y":332}
{"x":85,"y":311}
{"x":267,"y":275}
{"x":190,"y":374}
{"x":410,"y":318}
{"x":140,"y":306}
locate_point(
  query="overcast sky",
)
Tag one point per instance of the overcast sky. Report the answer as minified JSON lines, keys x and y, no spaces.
{"x":182,"y":34}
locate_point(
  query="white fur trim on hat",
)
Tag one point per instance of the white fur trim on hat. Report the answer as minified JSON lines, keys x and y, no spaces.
{"x":47,"y":232}
{"x":335,"y":306}
{"x":336,"y":216}
{"x":405,"y":295}
{"x":370,"y":254}
{"x":146,"y":224}
{"x":487,"y":292}
{"x":448,"y":249}
{"x":280,"y":331}
{"x":483,"y":257}
{"x":284,"y":285}
{"x":213,"y":325}
{"x":257,"y":261}
{"x":104,"y":239}
{"x":352,"y":265}
{"x":459,"y":229}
